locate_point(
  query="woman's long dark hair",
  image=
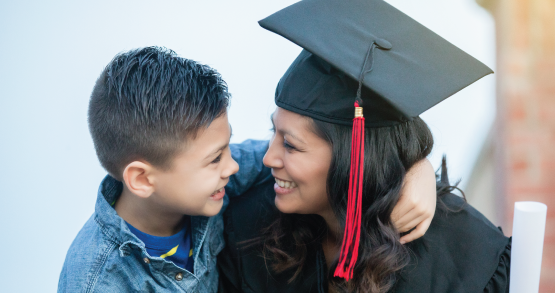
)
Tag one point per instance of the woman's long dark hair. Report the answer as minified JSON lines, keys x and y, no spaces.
{"x":389,"y":152}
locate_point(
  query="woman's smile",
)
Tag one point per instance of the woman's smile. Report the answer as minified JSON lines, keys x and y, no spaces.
{"x":284,"y":187}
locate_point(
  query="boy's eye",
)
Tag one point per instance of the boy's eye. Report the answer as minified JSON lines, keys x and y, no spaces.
{"x":217,"y":159}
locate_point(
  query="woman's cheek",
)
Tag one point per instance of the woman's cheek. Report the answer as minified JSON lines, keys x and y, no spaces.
{"x":314,"y":195}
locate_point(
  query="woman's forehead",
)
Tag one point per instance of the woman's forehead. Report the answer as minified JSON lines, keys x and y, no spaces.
{"x":296,"y":125}
{"x":288,"y":117}
{"x":283,"y":119}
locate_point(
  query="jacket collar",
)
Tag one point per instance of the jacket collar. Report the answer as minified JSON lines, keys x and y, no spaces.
{"x":115,"y":228}
{"x":111,"y":224}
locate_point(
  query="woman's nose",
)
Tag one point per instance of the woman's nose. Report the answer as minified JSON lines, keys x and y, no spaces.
{"x":273,"y":159}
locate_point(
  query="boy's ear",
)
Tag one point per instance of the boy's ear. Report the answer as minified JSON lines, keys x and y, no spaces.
{"x":138,"y":178}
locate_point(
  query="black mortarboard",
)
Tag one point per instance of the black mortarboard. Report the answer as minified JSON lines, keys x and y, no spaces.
{"x":408,"y":69}
{"x":364,"y":52}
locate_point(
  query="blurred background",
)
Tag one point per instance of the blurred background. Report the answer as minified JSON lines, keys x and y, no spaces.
{"x":498,"y":134}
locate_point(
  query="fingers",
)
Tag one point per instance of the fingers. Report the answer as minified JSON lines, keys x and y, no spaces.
{"x":406,"y":203}
{"x":402,"y":208}
{"x":412,"y":218}
{"x":405,"y":219}
{"x":413,"y":223}
{"x":416,"y":233}
{"x":416,"y":205}
{"x":417,"y":192}
{"x":418,"y":197}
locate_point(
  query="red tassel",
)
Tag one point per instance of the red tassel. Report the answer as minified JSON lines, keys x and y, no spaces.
{"x":351,"y":239}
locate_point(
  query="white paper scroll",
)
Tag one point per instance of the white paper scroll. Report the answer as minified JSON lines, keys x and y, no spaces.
{"x":527,"y":246}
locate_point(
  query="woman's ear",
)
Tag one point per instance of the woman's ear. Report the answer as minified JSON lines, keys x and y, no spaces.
{"x":137,"y":176}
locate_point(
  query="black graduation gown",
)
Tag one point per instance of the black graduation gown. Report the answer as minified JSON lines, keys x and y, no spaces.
{"x":461,"y":252}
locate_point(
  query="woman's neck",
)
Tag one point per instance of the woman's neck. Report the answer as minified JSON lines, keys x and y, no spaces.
{"x":334,"y":229}
{"x":331,"y":244}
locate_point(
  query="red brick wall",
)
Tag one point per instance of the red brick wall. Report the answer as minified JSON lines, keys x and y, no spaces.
{"x":525,"y":163}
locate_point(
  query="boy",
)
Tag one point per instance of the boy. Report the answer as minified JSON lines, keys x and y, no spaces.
{"x":159,"y":125}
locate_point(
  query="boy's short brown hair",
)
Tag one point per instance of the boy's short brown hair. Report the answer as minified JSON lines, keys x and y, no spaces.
{"x":147,"y":102}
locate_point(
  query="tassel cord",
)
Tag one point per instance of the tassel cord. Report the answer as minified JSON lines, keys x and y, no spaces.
{"x":351,"y":238}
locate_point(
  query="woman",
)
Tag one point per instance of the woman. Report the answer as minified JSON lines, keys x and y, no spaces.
{"x":332,"y":230}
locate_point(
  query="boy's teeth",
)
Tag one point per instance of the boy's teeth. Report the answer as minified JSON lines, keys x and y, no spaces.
{"x":286,"y":184}
{"x":217,"y":191}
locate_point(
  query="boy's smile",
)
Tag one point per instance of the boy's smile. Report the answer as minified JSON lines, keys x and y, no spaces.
{"x":218,"y":194}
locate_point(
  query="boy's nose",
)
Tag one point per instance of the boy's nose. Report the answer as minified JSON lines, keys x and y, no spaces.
{"x":232,"y":168}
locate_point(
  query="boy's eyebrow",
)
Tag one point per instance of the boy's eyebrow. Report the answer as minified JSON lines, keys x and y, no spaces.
{"x":222,"y":147}
{"x":218,"y":150}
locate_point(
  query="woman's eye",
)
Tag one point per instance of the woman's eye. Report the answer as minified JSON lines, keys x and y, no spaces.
{"x":288,"y":146}
{"x":217,"y":160}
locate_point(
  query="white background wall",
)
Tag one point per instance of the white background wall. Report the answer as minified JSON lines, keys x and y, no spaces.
{"x":51,"y":53}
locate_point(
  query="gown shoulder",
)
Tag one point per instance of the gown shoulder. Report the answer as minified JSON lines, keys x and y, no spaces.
{"x":462,"y":251}
{"x":499,"y":282}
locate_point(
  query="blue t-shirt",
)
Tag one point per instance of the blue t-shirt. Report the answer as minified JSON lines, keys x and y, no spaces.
{"x":176,"y":248}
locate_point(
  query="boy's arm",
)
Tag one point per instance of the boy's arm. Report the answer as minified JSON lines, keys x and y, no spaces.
{"x":417,"y":205}
{"x":248,"y":155}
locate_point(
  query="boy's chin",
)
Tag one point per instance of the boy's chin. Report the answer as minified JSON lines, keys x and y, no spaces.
{"x":213,"y":207}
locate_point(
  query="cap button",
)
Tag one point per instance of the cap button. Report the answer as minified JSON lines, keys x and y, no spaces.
{"x":383,"y":44}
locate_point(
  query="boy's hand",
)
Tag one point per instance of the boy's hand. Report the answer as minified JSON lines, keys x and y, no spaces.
{"x":417,"y":204}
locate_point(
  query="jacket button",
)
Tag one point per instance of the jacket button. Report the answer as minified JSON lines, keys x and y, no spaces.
{"x":146,"y":260}
{"x":178,"y":276}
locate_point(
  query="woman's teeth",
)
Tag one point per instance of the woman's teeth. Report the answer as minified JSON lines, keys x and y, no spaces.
{"x":217,"y":191}
{"x":286,"y":184}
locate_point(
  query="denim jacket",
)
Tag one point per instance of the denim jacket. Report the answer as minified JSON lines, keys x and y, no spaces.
{"x":106,"y":257}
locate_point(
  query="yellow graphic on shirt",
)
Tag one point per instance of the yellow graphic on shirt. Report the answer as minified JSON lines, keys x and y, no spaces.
{"x":170,"y":253}
{"x":190,"y":252}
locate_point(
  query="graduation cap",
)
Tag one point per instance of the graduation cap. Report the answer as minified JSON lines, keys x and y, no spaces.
{"x":365,"y":52}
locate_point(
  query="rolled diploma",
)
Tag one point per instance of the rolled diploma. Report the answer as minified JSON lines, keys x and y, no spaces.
{"x":527,"y":246}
